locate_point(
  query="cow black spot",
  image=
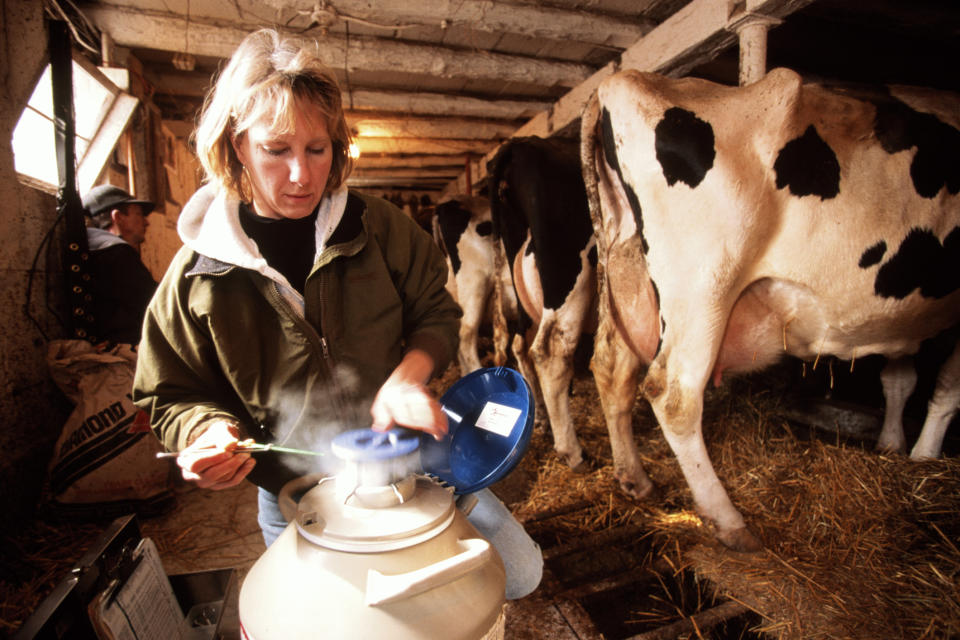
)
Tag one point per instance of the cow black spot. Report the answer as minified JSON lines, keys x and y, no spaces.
{"x":453,"y":220}
{"x":484,"y":229}
{"x":923,"y":263}
{"x":509,"y":224}
{"x":547,"y":200}
{"x":946,"y":279}
{"x":873,"y":255}
{"x":808,"y":166}
{"x":936,"y":163}
{"x":610,"y":154}
{"x":684,"y":145}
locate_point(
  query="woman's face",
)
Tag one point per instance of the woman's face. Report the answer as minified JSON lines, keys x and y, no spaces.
{"x":288,"y":171}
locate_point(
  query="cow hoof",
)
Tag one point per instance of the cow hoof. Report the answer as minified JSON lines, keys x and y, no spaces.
{"x":582,"y":467}
{"x":640,"y":491}
{"x":578,"y":463}
{"x":890,"y":449}
{"x":741,"y":540}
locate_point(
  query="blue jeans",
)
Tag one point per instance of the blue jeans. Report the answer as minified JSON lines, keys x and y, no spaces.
{"x":521,"y":556}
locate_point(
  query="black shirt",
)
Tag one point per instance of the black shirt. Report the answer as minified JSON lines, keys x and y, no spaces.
{"x":287,"y":245}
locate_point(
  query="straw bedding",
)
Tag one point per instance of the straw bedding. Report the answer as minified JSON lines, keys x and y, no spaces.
{"x":857,"y":545}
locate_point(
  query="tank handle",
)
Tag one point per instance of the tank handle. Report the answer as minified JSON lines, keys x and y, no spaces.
{"x":384,"y":589}
{"x":289,"y":497}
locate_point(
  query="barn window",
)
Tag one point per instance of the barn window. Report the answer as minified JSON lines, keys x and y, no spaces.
{"x":101,"y":113}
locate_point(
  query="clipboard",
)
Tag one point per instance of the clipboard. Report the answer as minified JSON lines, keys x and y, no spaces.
{"x":139,"y":603}
{"x":119,"y":588}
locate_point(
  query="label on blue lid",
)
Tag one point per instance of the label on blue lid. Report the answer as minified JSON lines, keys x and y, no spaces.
{"x":498,"y":418}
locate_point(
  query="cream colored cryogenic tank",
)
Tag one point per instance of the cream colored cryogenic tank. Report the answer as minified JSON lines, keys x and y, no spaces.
{"x":380,"y":550}
{"x":395,"y":561}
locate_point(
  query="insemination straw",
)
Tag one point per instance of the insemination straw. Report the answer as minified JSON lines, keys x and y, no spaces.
{"x":250,"y":448}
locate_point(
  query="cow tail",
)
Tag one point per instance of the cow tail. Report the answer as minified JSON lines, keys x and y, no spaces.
{"x":588,"y":164}
{"x":438,"y":236}
{"x":496,"y":169}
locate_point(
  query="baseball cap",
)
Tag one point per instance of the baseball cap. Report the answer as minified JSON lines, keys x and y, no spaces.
{"x":106,"y":196}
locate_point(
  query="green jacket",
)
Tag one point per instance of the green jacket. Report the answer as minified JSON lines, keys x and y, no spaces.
{"x":225,"y":336}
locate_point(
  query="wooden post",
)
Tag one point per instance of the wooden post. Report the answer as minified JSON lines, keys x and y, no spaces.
{"x":107,"y":53}
{"x":752,"y":31}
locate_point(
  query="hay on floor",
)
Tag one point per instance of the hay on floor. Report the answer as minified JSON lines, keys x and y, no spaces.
{"x":857,"y":544}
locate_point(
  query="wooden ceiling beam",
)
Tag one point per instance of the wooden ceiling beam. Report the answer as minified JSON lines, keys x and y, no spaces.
{"x":481,"y":15}
{"x":405,"y":172}
{"x":188,"y":84}
{"x":169,"y":32}
{"x":387,"y":126}
{"x":418,"y":161}
{"x":428,"y":146}
{"x":444,"y":104}
{"x":430,"y":184}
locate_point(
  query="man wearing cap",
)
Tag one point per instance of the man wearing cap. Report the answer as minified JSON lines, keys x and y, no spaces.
{"x":122,"y":284}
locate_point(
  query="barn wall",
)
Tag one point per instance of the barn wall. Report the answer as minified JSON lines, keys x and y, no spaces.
{"x":31,"y":408}
{"x":180,"y":178}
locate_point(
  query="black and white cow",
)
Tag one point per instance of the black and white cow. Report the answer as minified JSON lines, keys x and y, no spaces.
{"x":463,"y":230}
{"x":541,"y":219}
{"x":738,"y":224}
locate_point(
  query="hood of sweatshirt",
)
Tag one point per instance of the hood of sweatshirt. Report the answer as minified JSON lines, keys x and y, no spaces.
{"x":210,"y":225}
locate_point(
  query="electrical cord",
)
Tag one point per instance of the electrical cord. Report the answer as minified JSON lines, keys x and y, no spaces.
{"x":90,"y":35}
{"x":325,"y":15}
{"x":30,"y":276}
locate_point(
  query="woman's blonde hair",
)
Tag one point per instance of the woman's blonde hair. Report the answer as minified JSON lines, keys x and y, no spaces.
{"x":267,"y":76}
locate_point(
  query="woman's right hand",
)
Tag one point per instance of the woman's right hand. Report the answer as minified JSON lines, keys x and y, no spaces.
{"x":211,"y":462}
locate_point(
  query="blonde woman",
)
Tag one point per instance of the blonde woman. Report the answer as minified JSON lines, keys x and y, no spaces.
{"x":296,"y":309}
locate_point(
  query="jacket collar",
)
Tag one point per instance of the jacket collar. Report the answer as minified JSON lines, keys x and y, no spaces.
{"x":350,"y":235}
{"x":212,"y":240}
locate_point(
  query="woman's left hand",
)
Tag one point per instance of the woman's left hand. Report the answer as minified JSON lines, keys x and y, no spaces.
{"x":404,"y":400}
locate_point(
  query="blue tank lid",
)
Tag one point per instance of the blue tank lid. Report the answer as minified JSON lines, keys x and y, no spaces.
{"x":490,"y":418}
{"x":367,"y":445}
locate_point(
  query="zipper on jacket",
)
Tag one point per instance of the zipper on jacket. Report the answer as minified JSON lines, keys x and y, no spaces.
{"x":339,"y":396}
{"x":309,"y":330}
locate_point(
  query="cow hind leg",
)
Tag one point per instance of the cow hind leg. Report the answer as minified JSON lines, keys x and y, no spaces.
{"x":501,"y":329}
{"x":941,"y":409}
{"x":616,"y":372}
{"x":679,"y":410}
{"x":519,"y":348}
{"x":468,"y":355}
{"x":898,"y":378}
{"x":552,"y":353}
{"x":501,"y":336}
